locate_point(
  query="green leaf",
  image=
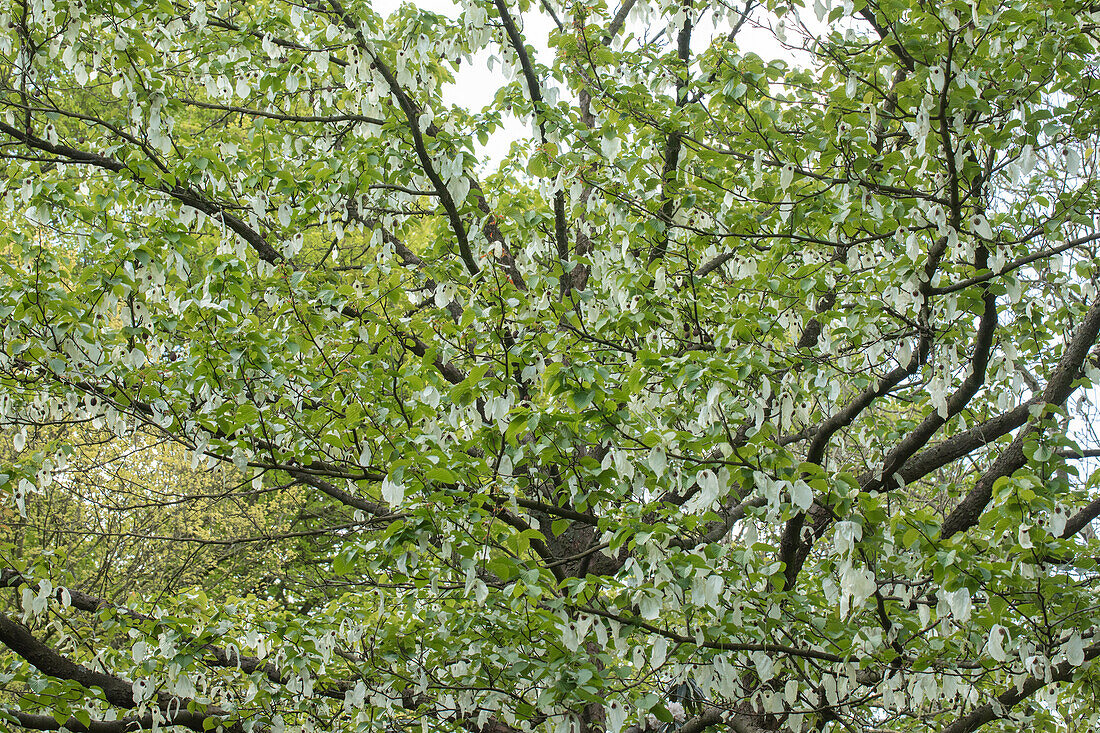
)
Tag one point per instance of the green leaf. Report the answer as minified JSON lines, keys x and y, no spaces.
{"x":580,"y":399}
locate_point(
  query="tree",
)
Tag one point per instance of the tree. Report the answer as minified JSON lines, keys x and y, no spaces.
{"x":745,"y":394}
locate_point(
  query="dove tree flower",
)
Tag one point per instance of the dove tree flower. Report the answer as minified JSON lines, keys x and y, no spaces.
{"x":635,"y":429}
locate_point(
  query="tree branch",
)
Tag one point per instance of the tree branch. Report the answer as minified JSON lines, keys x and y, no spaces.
{"x":181,"y":194}
{"x":116,"y":690}
{"x":534,"y":89}
{"x":1061,"y":385}
{"x":674,"y":142}
{"x":48,"y":722}
{"x":1007,"y":700}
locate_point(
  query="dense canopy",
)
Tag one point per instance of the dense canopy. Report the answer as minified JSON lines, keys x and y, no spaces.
{"x":748,"y":389}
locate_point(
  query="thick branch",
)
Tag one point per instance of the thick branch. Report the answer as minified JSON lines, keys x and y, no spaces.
{"x":884,"y":33}
{"x":183,"y":195}
{"x":792,"y":550}
{"x":957,"y":446}
{"x":534,"y":89}
{"x":985,"y":714}
{"x":116,"y":690}
{"x":1061,"y":385}
{"x":11,"y":578}
{"x":219,"y":656}
{"x":344,"y":497}
{"x":48,"y":722}
{"x":413,"y":117}
{"x":619,"y":20}
{"x":1081,"y":519}
{"x":983,"y":345}
{"x":674,"y":142}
